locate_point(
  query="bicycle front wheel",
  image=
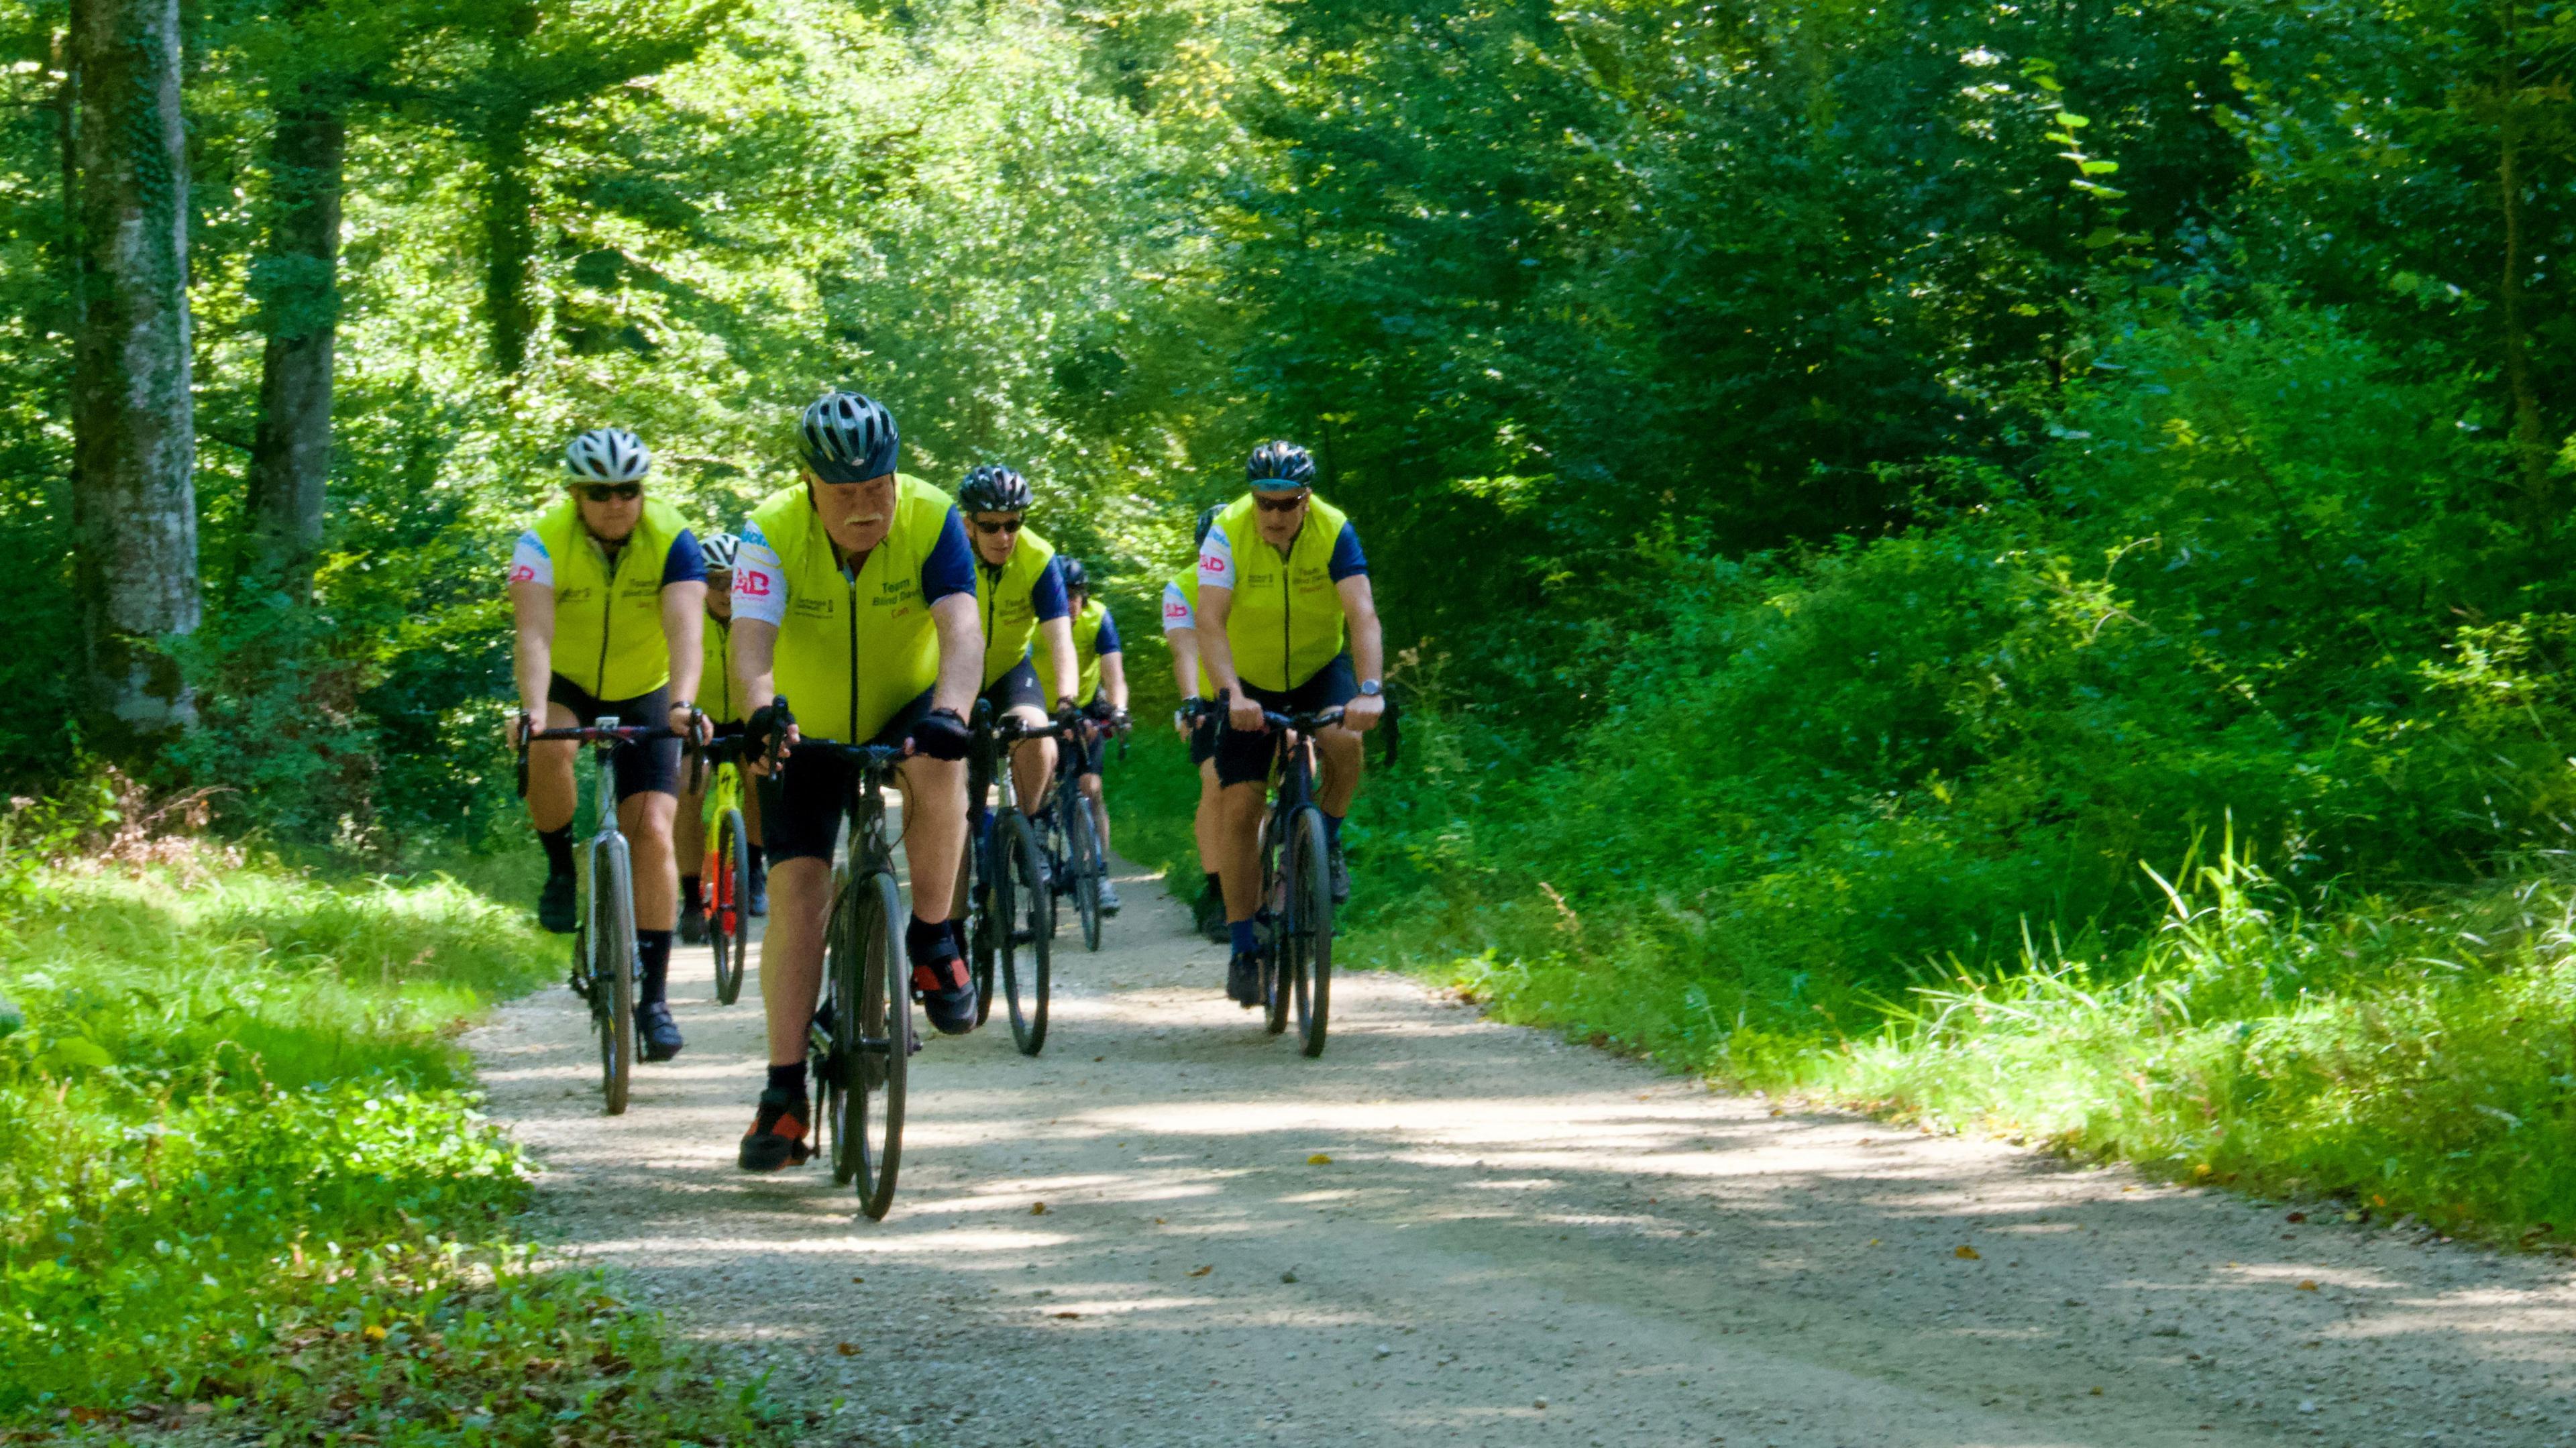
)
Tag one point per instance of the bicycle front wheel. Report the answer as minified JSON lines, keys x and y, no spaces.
{"x":610,"y":933}
{"x":1306,"y":929}
{"x":865,"y":1047}
{"x":1024,"y":928}
{"x":1274,"y":958}
{"x":1082,"y":859}
{"x":728,"y":927}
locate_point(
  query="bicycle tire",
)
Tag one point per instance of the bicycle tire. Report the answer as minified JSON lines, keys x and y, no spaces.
{"x":866,"y":1052}
{"x":1026,"y":909}
{"x":727,"y":926}
{"x":1082,"y":857}
{"x":1274,"y":895}
{"x":977,"y":923}
{"x":612,"y":966}
{"x":1306,"y":931}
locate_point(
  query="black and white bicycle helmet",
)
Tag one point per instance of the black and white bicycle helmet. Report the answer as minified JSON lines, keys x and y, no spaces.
{"x":991,"y":489}
{"x":1278,"y":467}
{"x":608,"y":455}
{"x":719,"y":549}
{"x":1207,"y":520}
{"x":846,"y":438}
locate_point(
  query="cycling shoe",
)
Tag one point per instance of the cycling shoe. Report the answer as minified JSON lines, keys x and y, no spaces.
{"x":555,"y":904}
{"x":947,"y":993}
{"x":660,"y":1034}
{"x":1243,"y":978}
{"x":777,"y":1135}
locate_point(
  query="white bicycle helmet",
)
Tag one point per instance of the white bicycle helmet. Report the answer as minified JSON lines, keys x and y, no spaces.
{"x":608,"y":455}
{"x":720,"y":549}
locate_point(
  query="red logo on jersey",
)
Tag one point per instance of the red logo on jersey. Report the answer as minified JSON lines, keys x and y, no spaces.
{"x":1211,"y":563}
{"x":750,"y":584}
{"x":523,"y":574}
{"x":1176,"y":610}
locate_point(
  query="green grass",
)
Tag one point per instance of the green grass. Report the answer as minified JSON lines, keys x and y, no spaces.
{"x":242,"y":1176}
{"x":1152,"y":797}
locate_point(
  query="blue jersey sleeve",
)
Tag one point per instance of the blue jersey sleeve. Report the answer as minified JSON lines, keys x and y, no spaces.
{"x":1047,"y":594}
{"x":1106,"y":642}
{"x":686,"y":562}
{"x":950,"y":568}
{"x":1348,"y":561}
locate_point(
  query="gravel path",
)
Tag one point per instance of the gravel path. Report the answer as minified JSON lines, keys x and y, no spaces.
{"x":1515,"y":1241}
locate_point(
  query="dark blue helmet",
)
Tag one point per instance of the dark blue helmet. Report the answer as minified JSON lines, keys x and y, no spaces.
{"x":1280,"y":467}
{"x":991,"y":489}
{"x":846,"y":438}
{"x":1207,"y":520}
{"x":1075,"y":575}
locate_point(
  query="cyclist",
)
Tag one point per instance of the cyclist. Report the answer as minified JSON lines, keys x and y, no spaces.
{"x":1180,"y":631}
{"x":608,"y":592}
{"x":1019,"y":592}
{"x":853,"y":596}
{"x":1101,"y":693}
{"x":1287,"y":623}
{"x":723,"y":704}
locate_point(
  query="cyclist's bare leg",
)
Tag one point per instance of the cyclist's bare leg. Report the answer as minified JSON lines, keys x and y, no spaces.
{"x":1032,"y":762}
{"x":1090,"y":784}
{"x":551,"y":789}
{"x":751,"y":812}
{"x":1206,"y":825}
{"x":1338,"y":751}
{"x":689,"y":829}
{"x":647,"y":820}
{"x":791,"y":953}
{"x":1239,"y":849}
{"x":934,"y":831}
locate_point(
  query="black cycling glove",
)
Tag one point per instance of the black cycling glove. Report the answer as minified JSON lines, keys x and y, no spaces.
{"x":941,"y":734}
{"x":763,"y":728}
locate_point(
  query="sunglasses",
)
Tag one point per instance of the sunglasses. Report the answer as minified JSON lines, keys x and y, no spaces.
{"x":1280,"y":505}
{"x":1007,"y":525}
{"x":605,"y":492}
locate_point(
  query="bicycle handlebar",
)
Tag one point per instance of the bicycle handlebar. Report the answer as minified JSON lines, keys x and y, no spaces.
{"x":591,"y":734}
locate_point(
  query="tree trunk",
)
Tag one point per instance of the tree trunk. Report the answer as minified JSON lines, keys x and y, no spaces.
{"x":134,"y":511}
{"x":509,"y":202}
{"x":2531,"y":454}
{"x":299,"y":290}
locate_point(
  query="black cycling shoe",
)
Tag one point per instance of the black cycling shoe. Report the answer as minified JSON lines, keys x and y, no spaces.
{"x":946,"y":992}
{"x":660,"y":1034}
{"x":1243,"y":978}
{"x":555,"y":904}
{"x":1341,"y":873}
{"x":1108,"y":899}
{"x":1211,"y":918}
{"x":758,"y":904}
{"x":693,"y":926}
{"x":777,"y":1135}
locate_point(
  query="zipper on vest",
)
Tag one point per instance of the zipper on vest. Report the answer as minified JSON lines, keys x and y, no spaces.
{"x":853,"y":725}
{"x":1287,"y":621}
{"x":607,"y":614}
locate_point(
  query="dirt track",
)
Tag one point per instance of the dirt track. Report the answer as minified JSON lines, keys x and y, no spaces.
{"x":1516,"y":1241}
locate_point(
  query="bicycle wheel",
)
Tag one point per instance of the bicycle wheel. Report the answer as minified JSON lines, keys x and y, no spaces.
{"x":1306,"y":930}
{"x":864,"y":1053}
{"x":1024,"y":927}
{"x":978,"y":922}
{"x":1082,"y":860}
{"x":728,"y":928}
{"x":1274,"y":897}
{"x":611,"y":933}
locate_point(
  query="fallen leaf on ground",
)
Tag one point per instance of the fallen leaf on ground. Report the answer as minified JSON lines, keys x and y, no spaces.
{"x":1037,"y":1209}
{"x":2308,"y":1285}
{"x":1966,"y":1253}
{"x":849,"y":1349}
{"x":1320,"y":1158}
{"x":1064,"y":1314}
{"x":1203,"y":1271}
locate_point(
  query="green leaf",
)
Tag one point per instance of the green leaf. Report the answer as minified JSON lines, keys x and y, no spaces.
{"x":2072,"y":121}
{"x":2099,"y":168}
{"x":76,"y":1052}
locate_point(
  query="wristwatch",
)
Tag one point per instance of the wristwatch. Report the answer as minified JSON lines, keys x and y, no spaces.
{"x":1371,"y":688}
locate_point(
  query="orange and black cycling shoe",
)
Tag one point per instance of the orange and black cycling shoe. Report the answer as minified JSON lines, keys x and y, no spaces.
{"x":946,"y":991}
{"x":777,"y":1135}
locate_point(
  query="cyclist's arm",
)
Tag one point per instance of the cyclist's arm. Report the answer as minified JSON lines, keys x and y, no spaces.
{"x":1185,"y":660}
{"x":532,"y":653}
{"x":1368,"y":647}
{"x":1055,"y":635}
{"x":1216,"y":652}
{"x":1113,"y":680}
{"x":759,"y":606}
{"x":684,"y":617}
{"x":961,"y":653}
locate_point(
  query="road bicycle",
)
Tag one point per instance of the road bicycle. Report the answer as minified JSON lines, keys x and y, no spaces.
{"x":1010,"y":908}
{"x":605,"y":967}
{"x":1297,"y":888}
{"x":724,"y":881}
{"x":863,"y":1037}
{"x":1077,"y":867}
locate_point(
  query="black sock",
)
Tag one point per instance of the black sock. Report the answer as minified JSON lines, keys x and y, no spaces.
{"x":689,"y":898}
{"x":1215,"y":886}
{"x":789,"y":1079}
{"x":558,"y":845}
{"x":923,"y":940}
{"x":653,"y":948}
{"x":752,"y":854}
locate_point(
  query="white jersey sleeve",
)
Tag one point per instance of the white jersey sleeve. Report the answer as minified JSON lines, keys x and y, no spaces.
{"x":759,"y":584}
{"x":1216,"y":561}
{"x":1176,"y":610}
{"x":529,"y":562}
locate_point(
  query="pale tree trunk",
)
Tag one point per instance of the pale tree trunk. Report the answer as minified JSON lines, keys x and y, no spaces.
{"x":134,"y":511}
{"x":298,"y":283}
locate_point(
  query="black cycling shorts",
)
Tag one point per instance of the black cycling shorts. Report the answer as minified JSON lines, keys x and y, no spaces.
{"x":1202,"y":740}
{"x":1017,"y":689}
{"x":639,"y":768}
{"x":800,"y":803}
{"x":1245,"y":758}
{"x":1081,"y":754}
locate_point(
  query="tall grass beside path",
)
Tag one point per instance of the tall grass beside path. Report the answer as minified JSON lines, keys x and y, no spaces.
{"x":242,"y":1175}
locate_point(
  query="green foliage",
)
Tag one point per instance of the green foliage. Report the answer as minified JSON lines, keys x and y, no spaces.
{"x":239,"y":1169}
